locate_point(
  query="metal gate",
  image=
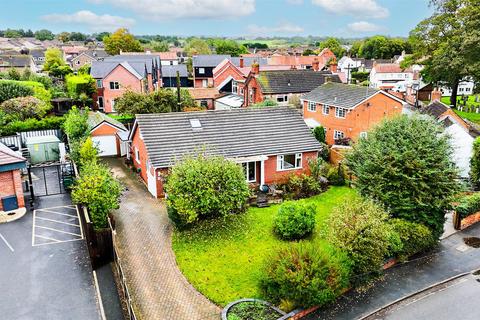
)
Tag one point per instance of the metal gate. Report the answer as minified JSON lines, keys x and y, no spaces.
{"x":50,"y":179}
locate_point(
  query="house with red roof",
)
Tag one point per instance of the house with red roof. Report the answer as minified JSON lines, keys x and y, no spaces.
{"x":11,"y":191}
{"x":387,"y":75}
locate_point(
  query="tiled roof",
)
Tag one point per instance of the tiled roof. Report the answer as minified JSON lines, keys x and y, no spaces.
{"x":100,"y":69}
{"x":340,"y":95}
{"x":171,"y":71}
{"x":203,"y":93}
{"x":435,"y":109}
{"x":293,"y":81}
{"x":96,"y":118}
{"x":213,"y":60}
{"x":235,"y":133}
{"x":8,"y":156}
{"x":169,"y":55}
{"x":138,"y":61}
{"x":388,"y":68}
{"x":19,"y":60}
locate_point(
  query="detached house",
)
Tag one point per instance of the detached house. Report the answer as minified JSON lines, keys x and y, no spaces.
{"x":117,"y":74}
{"x":87,"y":57}
{"x":348,"y":111}
{"x":268,"y":142}
{"x":387,"y":75}
{"x":169,"y":75}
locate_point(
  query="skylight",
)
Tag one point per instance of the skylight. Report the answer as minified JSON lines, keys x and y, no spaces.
{"x":195,"y":123}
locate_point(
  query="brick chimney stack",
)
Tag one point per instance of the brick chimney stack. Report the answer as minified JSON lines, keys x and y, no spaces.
{"x":241,"y":62}
{"x":316,"y":65}
{"x":333,"y":65}
{"x":436,"y":95}
{"x":255,"y":68}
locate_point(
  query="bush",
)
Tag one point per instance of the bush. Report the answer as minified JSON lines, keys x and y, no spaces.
{"x":306,"y":274}
{"x":38,"y":89}
{"x":22,"y":108}
{"x":206,"y":186}
{"x":405,"y":164}
{"x":319,"y":133}
{"x":360,"y":229}
{"x":11,"y":89}
{"x":300,"y":186}
{"x":98,"y":191}
{"x":78,"y":84}
{"x":294,"y":220}
{"x":76,"y":125}
{"x":88,"y":152}
{"x":31,"y":124}
{"x":468,"y":205}
{"x":335,"y":175}
{"x":414,"y":238}
{"x":475,"y":164}
{"x":324,"y":152}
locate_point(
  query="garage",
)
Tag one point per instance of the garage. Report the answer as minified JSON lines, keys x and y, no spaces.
{"x":105,"y":131}
{"x":107,"y":145}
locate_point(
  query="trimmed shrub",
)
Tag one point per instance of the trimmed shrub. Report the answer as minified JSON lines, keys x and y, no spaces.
{"x":468,"y":204}
{"x":294,"y":220}
{"x":414,"y":238}
{"x":300,"y":186}
{"x":31,"y":124}
{"x":306,"y":274}
{"x":12,"y":89}
{"x":78,"y":84}
{"x":319,"y":133}
{"x":22,"y":108}
{"x":360,"y":228}
{"x":206,"y":186}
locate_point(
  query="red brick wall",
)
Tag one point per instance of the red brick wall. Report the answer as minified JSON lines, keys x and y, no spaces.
{"x":11,"y":184}
{"x":127,"y":82}
{"x":227,"y":71}
{"x":138,"y":143}
{"x":273,"y":176}
{"x":258,"y":95}
{"x":360,"y":119}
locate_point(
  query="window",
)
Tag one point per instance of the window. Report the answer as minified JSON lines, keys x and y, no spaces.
{"x":201,"y":70}
{"x":460,"y":89}
{"x":338,"y":134}
{"x":325,"y":109}
{"x":204,"y":83}
{"x":114,"y":85}
{"x":250,"y":172}
{"x":241,"y":91}
{"x":234,"y":87}
{"x":171,"y":62}
{"x":204,"y":103}
{"x":340,"y":112}
{"x":312,"y":106}
{"x":137,"y":155}
{"x":363,"y":134}
{"x":77,"y":62}
{"x":282,"y":98}
{"x":113,"y":105}
{"x":250,"y":95}
{"x":99,"y":83}
{"x":289,"y":161}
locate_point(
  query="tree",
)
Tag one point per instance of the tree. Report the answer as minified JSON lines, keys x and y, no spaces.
{"x":79,"y":84}
{"x":22,"y":108}
{"x":206,"y":186}
{"x":10,"y":33}
{"x":197,"y":46}
{"x":88,"y":152}
{"x":11,"y":89}
{"x":63,"y":36}
{"x":355,"y":49}
{"x":319,"y":133}
{"x":308,"y":52}
{"x":76,"y":125}
{"x":44,"y":34}
{"x":405,"y":165}
{"x":475,"y":164}
{"x":161,"y":46}
{"x":121,"y":40}
{"x":230,"y":47}
{"x":447,"y":43}
{"x":160,"y":101}
{"x":77,"y":36}
{"x":101,"y":35}
{"x":53,"y":58}
{"x":334,"y":45}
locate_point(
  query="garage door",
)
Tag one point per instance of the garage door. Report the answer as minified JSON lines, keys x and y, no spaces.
{"x":107,"y":145}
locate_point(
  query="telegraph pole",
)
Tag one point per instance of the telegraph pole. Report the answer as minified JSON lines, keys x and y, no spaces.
{"x":179,"y":102}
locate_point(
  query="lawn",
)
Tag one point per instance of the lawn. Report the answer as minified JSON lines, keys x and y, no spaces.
{"x":224,"y":259}
{"x":472,"y":116}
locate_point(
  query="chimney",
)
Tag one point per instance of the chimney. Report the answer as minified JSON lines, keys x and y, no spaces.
{"x":333,"y":65}
{"x":255,"y":68}
{"x":436,"y":94}
{"x":241,"y":62}
{"x":316,"y":65}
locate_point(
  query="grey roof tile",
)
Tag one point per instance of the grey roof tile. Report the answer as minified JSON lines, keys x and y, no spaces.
{"x":232,"y":133}
{"x":339,"y":94}
{"x":171,"y":71}
{"x":293,"y":81}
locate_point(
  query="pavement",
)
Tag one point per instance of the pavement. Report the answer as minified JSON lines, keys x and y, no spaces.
{"x":451,"y":257}
{"x":45,"y":267}
{"x":456,"y":299}
{"x":158,"y":288}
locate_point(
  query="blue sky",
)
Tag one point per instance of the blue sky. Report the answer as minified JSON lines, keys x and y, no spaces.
{"x":341,"y":18}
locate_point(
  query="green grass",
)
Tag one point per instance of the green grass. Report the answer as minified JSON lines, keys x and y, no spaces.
{"x":224,"y":259}
{"x":472,"y":116}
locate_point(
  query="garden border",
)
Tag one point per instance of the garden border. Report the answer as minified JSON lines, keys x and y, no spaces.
{"x":231,"y":304}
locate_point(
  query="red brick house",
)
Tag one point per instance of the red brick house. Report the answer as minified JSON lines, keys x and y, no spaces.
{"x":205,"y":97}
{"x":104,"y":132}
{"x":117,"y":74}
{"x":11,"y":191}
{"x":348,"y":111}
{"x":303,"y":62}
{"x":269,"y":143}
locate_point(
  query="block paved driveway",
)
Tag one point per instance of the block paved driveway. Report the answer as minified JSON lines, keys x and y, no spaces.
{"x":158,"y":288}
{"x":44,"y":265}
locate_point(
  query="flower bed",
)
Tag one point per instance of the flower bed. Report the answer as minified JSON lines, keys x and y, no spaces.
{"x":251,"y":309}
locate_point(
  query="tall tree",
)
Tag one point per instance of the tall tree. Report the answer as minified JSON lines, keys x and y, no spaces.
{"x":334,"y":45}
{"x":77,"y":36}
{"x":121,"y":40}
{"x":63,"y":36}
{"x":197,"y":46}
{"x":447,"y":43}
{"x":44,"y":34}
{"x":53,"y":56}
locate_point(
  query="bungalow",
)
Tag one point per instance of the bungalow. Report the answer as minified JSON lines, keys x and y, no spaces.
{"x":117,"y":74}
{"x":348,"y":111}
{"x":282,"y":85}
{"x":11,"y":191}
{"x":169,"y":75}
{"x":16,"y":61}
{"x":462,"y":134}
{"x":107,"y":134}
{"x":269,"y":143}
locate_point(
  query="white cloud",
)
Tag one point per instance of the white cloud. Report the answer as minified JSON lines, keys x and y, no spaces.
{"x":363,"y":26}
{"x":93,"y":21}
{"x":285,"y":28}
{"x":177,"y":9}
{"x":364,"y":8}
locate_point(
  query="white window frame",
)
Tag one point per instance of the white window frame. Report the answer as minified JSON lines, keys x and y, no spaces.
{"x":325,"y":109}
{"x":204,"y":103}
{"x":116,"y":85}
{"x":337,"y":134}
{"x":298,"y":162}
{"x":339,"y":111}
{"x":234,"y":87}
{"x":363,"y":134}
{"x":204,"y":83}
{"x":246,"y":168}
{"x":137,"y":155}
{"x":201,"y":70}
{"x":312,"y":106}
{"x":99,"y":83}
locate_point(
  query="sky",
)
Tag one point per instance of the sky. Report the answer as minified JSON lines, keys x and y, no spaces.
{"x":249,"y":18}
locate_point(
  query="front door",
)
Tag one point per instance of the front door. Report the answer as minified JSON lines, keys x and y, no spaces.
{"x":151,"y":180}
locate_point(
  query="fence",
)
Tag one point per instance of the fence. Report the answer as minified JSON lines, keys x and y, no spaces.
{"x":19,"y":140}
{"x":116,"y":259}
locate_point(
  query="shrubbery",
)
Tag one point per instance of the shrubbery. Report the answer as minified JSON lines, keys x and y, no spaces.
{"x":468,"y":205}
{"x":206,"y":186}
{"x":414,"y":238}
{"x":31,"y":124}
{"x":12,"y":89}
{"x":335,"y":175}
{"x":475,"y":163}
{"x":306,"y":274}
{"x":294,"y":220}
{"x":22,"y":108}
{"x":300,"y":186}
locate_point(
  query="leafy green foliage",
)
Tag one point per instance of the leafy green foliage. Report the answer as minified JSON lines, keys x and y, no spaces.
{"x":319,"y":134}
{"x":335,"y":174}
{"x":405,"y":165}
{"x":44,"y":34}
{"x":307,"y":274}
{"x":381,"y":47}
{"x":360,"y":76}
{"x":88,"y":152}
{"x":334,"y":45}
{"x":252,"y":310}
{"x":22,"y":108}
{"x":360,"y":228}
{"x":53,"y":58}
{"x":98,"y":191}
{"x":10,"y":90}
{"x":121,"y":40}
{"x":78,"y":84}
{"x":294,"y":220}
{"x":475,"y":163}
{"x":468,"y":204}
{"x":414,"y":238}
{"x":300,"y":186}
{"x":231,"y":47}
{"x":76,"y":126}
{"x":197,"y":46}
{"x":265,"y":103}
{"x":7,"y":129}
{"x":205,"y":187}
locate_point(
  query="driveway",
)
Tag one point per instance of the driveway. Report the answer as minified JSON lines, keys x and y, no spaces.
{"x":45,"y":268}
{"x":158,"y":288}
{"x":452,"y":257}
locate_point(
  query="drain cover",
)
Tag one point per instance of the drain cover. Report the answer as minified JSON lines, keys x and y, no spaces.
{"x":473,"y":242}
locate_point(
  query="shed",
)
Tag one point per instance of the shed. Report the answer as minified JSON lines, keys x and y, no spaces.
{"x":43,"y":148}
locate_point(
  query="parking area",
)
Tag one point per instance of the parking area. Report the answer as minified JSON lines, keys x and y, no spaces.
{"x":46,"y":272}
